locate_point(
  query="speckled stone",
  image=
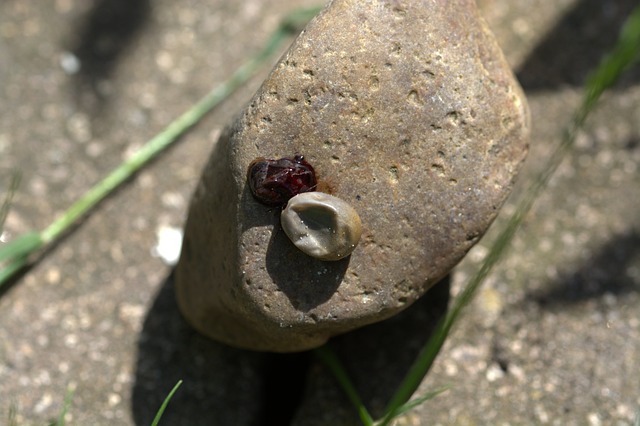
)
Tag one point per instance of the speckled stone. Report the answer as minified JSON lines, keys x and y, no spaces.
{"x":408,"y":111}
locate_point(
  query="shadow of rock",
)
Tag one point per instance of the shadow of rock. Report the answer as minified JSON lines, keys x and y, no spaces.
{"x":228,"y":386}
{"x":576,"y":45}
{"x":221,"y":385}
{"x":321,"y":278}
{"x":376,"y":357}
{"x":104,"y":35}
{"x":613,"y":269}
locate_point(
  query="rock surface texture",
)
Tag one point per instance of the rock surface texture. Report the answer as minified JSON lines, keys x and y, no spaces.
{"x":407,"y":111}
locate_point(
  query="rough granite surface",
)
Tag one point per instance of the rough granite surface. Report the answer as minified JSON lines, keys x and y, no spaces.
{"x":408,"y":111}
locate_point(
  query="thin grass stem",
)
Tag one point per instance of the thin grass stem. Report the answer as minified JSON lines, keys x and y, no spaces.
{"x":292,"y":22}
{"x":328,"y":357}
{"x":163,"y":407}
{"x":625,"y":53}
{"x":173,"y":131}
{"x":65,"y":407}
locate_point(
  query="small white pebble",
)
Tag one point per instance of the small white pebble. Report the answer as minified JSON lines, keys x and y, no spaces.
{"x":70,"y":63}
{"x":71,"y":340}
{"x":114,"y":399}
{"x":494,"y":372}
{"x":594,"y":419}
{"x":44,"y":403}
{"x":53,"y":275}
{"x":169,"y":244}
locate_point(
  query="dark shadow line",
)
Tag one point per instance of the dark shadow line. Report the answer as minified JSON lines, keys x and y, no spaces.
{"x":221,"y":385}
{"x":605,"y":272}
{"x":228,"y":386}
{"x":576,"y":45}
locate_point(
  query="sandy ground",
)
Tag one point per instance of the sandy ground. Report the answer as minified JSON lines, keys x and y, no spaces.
{"x":553,"y":338}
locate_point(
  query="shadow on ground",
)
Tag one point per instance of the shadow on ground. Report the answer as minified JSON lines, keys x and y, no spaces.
{"x":221,"y":385}
{"x":376,"y":358}
{"x":613,"y":269}
{"x":576,"y":45}
{"x":228,"y":386}
{"x":103,"y":37}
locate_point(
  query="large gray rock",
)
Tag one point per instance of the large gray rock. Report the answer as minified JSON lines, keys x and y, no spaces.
{"x":408,"y":111}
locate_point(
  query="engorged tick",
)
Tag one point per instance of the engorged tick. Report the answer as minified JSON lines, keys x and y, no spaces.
{"x":274,"y":182}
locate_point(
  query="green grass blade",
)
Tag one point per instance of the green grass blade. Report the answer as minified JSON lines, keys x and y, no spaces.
{"x":416,"y":373}
{"x":624,"y":54}
{"x":160,"y":412}
{"x":20,"y":247}
{"x":328,"y":357}
{"x":12,"y":268}
{"x":15,"y":255}
{"x":290,"y":23}
{"x":13,"y":414}
{"x":65,"y":408}
{"x":164,"y":139}
{"x":405,"y":408}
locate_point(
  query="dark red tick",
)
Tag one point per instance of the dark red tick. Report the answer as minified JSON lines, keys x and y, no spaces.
{"x":274,"y":182}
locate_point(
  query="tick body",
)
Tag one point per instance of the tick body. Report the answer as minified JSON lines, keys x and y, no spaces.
{"x":274,"y":182}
